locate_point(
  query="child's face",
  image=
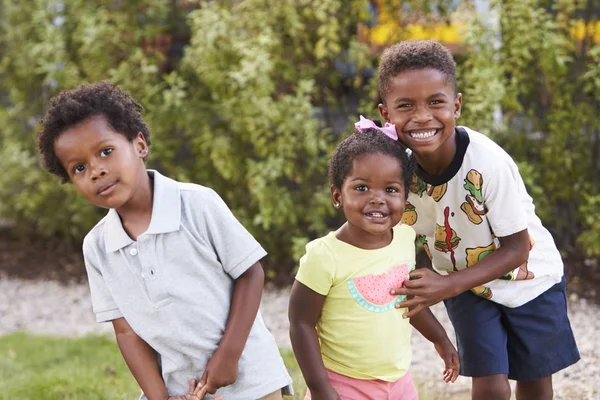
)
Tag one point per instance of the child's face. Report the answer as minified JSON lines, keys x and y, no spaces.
{"x":424,"y":107}
{"x":372,"y":195}
{"x":103,"y":164}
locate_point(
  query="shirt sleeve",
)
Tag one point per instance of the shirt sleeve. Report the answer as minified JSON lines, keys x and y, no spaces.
{"x":236,"y":248}
{"x":103,"y":303}
{"x":503,"y":191}
{"x":317,"y":268}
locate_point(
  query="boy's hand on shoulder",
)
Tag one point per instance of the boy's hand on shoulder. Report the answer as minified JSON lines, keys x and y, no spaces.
{"x":425,"y":288}
{"x":220,"y":371}
{"x":449,"y":354}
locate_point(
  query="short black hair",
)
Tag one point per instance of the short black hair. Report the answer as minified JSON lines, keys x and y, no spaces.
{"x":369,"y":141}
{"x":415,"y":55}
{"x":71,"y":107}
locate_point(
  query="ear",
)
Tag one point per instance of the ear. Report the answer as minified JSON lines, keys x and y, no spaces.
{"x":384,"y":112}
{"x":336,"y":196}
{"x":140,"y":145}
{"x":457,"y":105}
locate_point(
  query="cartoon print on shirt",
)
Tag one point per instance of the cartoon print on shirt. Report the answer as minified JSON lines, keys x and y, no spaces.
{"x":409,"y":217}
{"x":437,"y":192}
{"x":474,"y":255}
{"x":446,"y":239}
{"x":522,"y":273}
{"x":423,"y":240}
{"x":473,"y":206}
{"x":417,"y":186}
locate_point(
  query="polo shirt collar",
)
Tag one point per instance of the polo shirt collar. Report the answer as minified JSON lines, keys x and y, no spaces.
{"x":166,"y":214}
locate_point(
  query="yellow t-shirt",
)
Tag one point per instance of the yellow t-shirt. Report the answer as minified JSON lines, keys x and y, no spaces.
{"x":361,"y":334}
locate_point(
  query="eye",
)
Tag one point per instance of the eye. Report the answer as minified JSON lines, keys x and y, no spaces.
{"x":106,"y":152}
{"x":79,"y":168}
{"x":405,"y":105}
{"x":361,"y":188}
{"x":436,"y":102}
{"x":392,"y":190}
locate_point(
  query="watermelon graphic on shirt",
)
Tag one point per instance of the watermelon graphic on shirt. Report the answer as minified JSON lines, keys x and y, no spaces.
{"x":373,"y":291}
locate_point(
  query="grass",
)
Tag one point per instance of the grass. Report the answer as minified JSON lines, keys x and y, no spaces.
{"x":89,"y":368}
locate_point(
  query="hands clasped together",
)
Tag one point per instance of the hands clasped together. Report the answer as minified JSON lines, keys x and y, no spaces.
{"x":220,"y":371}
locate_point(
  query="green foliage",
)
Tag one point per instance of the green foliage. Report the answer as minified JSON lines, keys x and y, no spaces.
{"x":547,"y":83}
{"x":235,"y":111}
{"x":251,"y":103}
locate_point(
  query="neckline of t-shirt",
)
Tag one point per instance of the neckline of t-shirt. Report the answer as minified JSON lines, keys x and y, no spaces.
{"x":348,"y":245}
{"x":462,"y":142}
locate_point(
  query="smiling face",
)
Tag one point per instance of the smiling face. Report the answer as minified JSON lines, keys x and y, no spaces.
{"x":372,"y":197}
{"x":424,"y":107}
{"x":103,"y":164}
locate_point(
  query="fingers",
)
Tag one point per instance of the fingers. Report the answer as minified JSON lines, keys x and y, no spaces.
{"x":192,"y":388}
{"x":456,"y":367}
{"x":410,"y":303}
{"x":413,"y":310}
{"x":452,"y":369}
{"x":417,"y":274}
{"x":202,"y":387}
{"x":400,"y":291}
{"x":447,"y":375}
{"x":202,"y":392}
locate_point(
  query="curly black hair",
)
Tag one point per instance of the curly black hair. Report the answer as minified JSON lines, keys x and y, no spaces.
{"x":71,"y":107}
{"x":369,"y":141}
{"x":414,"y":55}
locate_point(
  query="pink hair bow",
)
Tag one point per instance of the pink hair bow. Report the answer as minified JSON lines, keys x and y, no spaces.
{"x":388,"y":129}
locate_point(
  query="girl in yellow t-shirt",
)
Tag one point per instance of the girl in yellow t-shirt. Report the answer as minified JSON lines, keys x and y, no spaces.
{"x":349,"y":340}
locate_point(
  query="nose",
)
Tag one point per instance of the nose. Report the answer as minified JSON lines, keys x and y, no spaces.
{"x":376,"y":199}
{"x":98,"y":170}
{"x":422,"y":115}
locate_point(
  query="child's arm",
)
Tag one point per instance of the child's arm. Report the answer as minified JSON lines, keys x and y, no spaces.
{"x":304,"y":312}
{"x":141,"y":360}
{"x":426,"y":323}
{"x":429,"y":288}
{"x":222,"y":369}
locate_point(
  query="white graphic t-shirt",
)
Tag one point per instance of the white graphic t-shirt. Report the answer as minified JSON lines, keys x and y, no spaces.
{"x":459,"y":215}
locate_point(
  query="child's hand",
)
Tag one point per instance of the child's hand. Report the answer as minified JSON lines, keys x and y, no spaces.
{"x":448,"y":353}
{"x":195,"y":392}
{"x":424,"y":289}
{"x":220,"y":371}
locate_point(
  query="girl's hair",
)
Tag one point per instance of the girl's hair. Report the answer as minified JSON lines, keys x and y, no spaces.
{"x":69,"y":108}
{"x":369,"y":141}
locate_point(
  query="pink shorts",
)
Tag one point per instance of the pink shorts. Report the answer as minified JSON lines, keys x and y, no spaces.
{"x":360,"y":389}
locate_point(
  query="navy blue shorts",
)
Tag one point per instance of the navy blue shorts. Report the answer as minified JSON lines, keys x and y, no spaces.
{"x":528,"y":342}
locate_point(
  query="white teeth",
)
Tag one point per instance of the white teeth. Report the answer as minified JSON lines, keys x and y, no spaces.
{"x":376,"y":215}
{"x":422,"y":135}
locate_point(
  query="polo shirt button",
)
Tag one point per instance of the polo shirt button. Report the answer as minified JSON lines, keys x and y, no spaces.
{"x":133,"y":252}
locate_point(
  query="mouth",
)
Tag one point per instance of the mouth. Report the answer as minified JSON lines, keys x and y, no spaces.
{"x":376,"y":215}
{"x":107,"y":189}
{"x":423,"y":134}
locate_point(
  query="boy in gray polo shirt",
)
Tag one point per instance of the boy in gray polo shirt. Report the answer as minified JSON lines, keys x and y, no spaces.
{"x":173,"y":270}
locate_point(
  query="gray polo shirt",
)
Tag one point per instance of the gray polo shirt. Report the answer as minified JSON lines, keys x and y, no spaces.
{"x":174,"y":286}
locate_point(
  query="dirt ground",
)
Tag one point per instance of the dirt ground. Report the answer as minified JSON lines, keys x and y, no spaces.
{"x":37,"y":258}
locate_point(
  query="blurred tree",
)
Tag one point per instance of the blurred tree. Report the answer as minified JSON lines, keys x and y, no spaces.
{"x":544,"y":72}
{"x":249,"y":96}
{"x":240,"y":96}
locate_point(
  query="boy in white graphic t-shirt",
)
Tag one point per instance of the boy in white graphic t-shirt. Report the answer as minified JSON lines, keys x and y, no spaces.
{"x":498,"y":268}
